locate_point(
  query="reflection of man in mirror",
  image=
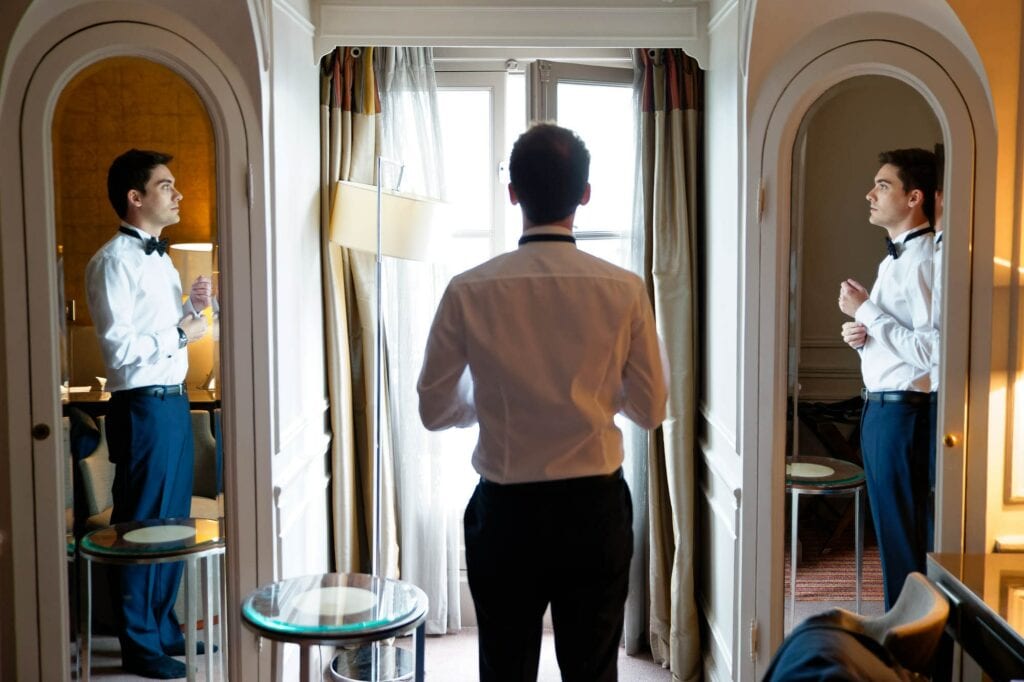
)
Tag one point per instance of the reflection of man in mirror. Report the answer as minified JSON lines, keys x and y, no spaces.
{"x":894,"y":334}
{"x":542,"y":347}
{"x":135,"y":300}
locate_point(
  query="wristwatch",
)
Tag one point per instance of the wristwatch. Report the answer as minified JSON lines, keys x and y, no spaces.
{"x":182,"y":338}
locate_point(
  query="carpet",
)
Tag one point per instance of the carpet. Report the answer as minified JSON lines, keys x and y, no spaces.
{"x":828,"y":573}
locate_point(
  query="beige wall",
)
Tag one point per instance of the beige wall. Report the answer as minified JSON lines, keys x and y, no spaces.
{"x":109,"y":107}
{"x":852,"y":123}
{"x":996,"y":32}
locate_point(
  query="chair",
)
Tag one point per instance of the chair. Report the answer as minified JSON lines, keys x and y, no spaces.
{"x":911,"y":629}
{"x":899,"y":645}
{"x":97,"y":473}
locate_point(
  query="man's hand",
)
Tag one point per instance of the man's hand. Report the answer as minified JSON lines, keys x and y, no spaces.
{"x":201,"y":294}
{"x":852,"y":295}
{"x":855,"y":334}
{"x":194,"y":327}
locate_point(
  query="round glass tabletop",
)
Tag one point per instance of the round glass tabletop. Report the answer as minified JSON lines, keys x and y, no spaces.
{"x":337,"y":604}
{"x":822,"y":472}
{"x":167,"y":537}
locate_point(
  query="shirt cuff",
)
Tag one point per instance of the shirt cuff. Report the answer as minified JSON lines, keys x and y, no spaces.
{"x":868,"y":312}
{"x":168,"y":340}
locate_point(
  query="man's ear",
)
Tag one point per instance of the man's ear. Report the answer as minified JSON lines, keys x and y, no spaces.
{"x":134,"y":197}
{"x":915,"y":197}
{"x":585,"y":198}
{"x":512,"y":196}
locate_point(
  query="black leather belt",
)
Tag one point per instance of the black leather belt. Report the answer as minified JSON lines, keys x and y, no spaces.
{"x":558,"y":484}
{"x":909,"y":397}
{"x":157,"y":391}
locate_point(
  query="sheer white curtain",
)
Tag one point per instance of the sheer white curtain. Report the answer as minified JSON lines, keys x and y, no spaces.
{"x":428,"y":524}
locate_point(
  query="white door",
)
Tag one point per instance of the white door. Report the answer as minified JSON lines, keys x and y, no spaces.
{"x":36,"y":483}
{"x":769,"y":220}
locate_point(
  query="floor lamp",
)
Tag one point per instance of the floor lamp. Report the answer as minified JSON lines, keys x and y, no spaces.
{"x":385,"y":223}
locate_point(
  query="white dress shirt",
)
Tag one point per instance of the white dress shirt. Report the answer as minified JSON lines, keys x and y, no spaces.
{"x":543,"y":346}
{"x":936,"y":308}
{"x":898,"y":316}
{"x":135,"y":303}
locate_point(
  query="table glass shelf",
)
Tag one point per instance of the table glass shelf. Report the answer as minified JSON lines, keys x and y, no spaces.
{"x":333,"y":603}
{"x":823,"y":472}
{"x":166,"y":537}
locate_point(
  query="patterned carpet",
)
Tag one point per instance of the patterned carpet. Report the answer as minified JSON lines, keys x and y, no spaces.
{"x":828,"y":573}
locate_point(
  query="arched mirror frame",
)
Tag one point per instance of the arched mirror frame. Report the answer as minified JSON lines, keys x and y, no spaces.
{"x":774,"y":129}
{"x":238,"y":158}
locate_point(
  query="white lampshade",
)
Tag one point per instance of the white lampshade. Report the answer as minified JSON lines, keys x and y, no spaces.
{"x":192,"y":260}
{"x":408,"y":222}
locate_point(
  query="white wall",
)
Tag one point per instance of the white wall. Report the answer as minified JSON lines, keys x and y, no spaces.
{"x":301,"y":439}
{"x":718,"y":464}
{"x":852,"y":123}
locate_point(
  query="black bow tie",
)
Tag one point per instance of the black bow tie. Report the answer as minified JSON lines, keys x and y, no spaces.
{"x":891,"y":248}
{"x":148,"y":245}
{"x":894,"y":250}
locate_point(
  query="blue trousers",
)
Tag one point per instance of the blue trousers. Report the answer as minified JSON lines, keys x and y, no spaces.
{"x":565,"y":543}
{"x":150,"y":441}
{"x":895,"y":447}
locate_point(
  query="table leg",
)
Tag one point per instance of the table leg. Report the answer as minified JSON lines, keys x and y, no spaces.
{"x":208,"y":613}
{"x":420,"y":635}
{"x":219,"y":601}
{"x":305,"y":654}
{"x":85,"y":616}
{"x":859,"y":513}
{"x":191,"y":566}
{"x":794,"y":526}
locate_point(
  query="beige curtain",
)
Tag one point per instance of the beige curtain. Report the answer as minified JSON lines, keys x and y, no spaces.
{"x":670,"y":91}
{"x":350,"y":130}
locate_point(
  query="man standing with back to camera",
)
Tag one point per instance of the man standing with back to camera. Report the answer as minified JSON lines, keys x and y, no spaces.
{"x":135,"y":301}
{"x":542,"y":347}
{"x":894,"y":334}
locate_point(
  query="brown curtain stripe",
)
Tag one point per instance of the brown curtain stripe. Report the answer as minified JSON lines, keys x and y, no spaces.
{"x":350,"y":143}
{"x":671,"y":91}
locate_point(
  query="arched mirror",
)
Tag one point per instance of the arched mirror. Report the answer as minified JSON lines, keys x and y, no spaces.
{"x":835,"y":160}
{"x":109,"y":107}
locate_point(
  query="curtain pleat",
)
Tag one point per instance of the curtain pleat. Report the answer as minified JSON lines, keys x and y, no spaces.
{"x":425,"y":469}
{"x":351,"y":136}
{"x":670,"y":110}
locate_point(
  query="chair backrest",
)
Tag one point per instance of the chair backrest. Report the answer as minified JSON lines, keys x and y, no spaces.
{"x":204,"y":465}
{"x":98,"y":474}
{"x":69,"y":480}
{"x":911,"y":629}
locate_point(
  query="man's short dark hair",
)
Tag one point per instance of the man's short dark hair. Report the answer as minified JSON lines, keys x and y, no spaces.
{"x":548,"y":169}
{"x":916,"y":170}
{"x":940,"y":166}
{"x":131,"y":171}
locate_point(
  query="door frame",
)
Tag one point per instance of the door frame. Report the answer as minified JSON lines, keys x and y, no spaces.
{"x":969,"y":138}
{"x":35,"y":556}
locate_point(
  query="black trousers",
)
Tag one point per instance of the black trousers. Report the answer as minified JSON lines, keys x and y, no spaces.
{"x":564,"y":543}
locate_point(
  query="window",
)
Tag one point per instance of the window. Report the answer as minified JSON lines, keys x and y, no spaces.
{"x":482,"y":114}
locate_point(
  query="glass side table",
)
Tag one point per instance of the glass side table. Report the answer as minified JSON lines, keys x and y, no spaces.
{"x":342,"y":610}
{"x":823,"y":476}
{"x":157,"y":541}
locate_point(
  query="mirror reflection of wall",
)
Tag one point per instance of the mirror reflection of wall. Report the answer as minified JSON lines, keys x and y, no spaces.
{"x":96,"y":119}
{"x":835,"y":161}
{"x":850,"y":125}
{"x":109,"y":107}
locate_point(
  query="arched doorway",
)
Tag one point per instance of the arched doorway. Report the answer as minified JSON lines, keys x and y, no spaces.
{"x":773,"y":135}
{"x":37,"y":554}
